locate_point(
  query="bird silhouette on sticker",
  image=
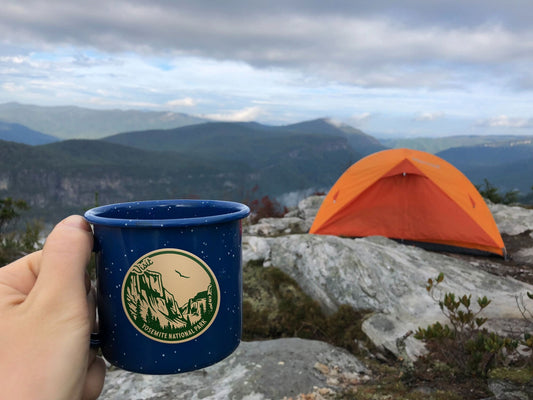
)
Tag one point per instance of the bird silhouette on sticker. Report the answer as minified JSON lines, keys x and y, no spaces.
{"x":180,"y":274}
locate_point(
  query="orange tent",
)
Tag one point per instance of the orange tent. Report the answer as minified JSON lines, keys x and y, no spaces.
{"x":412,"y":196}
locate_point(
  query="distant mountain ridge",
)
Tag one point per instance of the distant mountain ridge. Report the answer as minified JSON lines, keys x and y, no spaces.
{"x":357,"y":139}
{"x":507,"y":165}
{"x":235,"y":161}
{"x":21,"y":134}
{"x":250,"y":142}
{"x":490,"y":153}
{"x":70,"y":122}
{"x":438,"y":144}
{"x":62,"y":178}
{"x":226,"y":161}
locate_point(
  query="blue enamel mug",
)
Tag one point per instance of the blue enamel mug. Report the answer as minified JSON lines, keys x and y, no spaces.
{"x":169,"y":283}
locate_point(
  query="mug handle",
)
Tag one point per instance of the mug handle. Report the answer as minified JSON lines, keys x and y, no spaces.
{"x":95,"y":340}
{"x":95,"y":336}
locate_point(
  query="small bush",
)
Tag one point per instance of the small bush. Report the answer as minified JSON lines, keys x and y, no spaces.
{"x":463,"y":344}
{"x":491,"y":192}
{"x":15,"y":243}
{"x":526,"y":337}
{"x":274,"y":306}
{"x":266,"y":208}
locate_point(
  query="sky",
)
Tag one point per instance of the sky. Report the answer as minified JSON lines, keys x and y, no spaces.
{"x":390,"y":68}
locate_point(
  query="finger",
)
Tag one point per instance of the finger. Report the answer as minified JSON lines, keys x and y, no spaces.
{"x":94,"y":381}
{"x":64,"y":258}
{"x":19,"y":277}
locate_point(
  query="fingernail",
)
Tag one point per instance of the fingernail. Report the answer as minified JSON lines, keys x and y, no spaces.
{"x":76,"y":221}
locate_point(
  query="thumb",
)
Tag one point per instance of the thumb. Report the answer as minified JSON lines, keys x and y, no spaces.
{"x":65,"y":256}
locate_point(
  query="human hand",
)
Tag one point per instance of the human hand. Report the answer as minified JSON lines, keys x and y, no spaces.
{"x":47,"y":312}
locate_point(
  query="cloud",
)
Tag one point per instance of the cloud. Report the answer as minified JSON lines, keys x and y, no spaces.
{"x":429,"y":116}
{"x":504,"y":121}
{"x":295,"y":60}
{"x":244,"y":115}
{"x":360,"y":119}
{"x":185,"y":102}
{"x":352,"y":42}
{"x":13,"y":60}
{"x":11,"y":87}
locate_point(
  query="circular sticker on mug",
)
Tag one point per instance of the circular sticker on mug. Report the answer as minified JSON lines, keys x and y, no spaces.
{"x":170,"y":295}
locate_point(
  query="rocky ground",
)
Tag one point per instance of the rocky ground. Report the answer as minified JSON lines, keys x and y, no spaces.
{"x":519,"y":263}
{"x":295,"y":285}
{"x":516,"y":225}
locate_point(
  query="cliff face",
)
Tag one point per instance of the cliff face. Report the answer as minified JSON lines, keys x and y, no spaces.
{"x":49,"y":188}
{"x":198,"y":306}
{"x":53,"y":194}
{"x":148,"y":299}
{"x":149,"y":302}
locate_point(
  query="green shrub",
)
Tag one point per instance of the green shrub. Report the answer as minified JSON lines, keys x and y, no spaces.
{"x":491,"y":192}
{"x":526,"y":337}
{"x":14,"y":242}
{"x":274,"y":306}
{"x":462,"y":343}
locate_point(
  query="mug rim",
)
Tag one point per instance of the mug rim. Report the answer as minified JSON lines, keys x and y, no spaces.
{"x":233,"y":211}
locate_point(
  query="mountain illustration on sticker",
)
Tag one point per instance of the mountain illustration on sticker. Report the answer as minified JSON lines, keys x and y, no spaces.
{"x":170,"y":295}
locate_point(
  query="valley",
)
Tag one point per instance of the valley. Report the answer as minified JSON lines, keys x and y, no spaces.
{"x":58,"y":173}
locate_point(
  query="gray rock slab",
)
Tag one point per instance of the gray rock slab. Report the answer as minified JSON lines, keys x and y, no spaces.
{"x":261,"y":370}
{"x":512,"y":220}
{"x":387,"y":278}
